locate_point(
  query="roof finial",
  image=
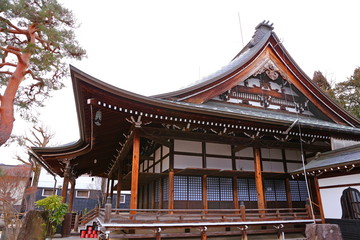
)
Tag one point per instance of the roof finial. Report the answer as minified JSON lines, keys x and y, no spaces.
{"x":265,"y":24}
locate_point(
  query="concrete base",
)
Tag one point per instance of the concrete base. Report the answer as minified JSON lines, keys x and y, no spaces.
{"x":323,"y":232}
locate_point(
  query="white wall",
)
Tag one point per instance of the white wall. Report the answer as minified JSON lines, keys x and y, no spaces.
{"x":46,"y":180}
{"x":331,"y":196}
{"x":219,"y":149}
{"x":187,"y":146}
{"x":184,"y":161}
{"x":219,"y":163}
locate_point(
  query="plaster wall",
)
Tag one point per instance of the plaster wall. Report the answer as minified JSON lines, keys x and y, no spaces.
{"x":245,"y":165}
{"x":187,"y":146}
{"x":269,"y":166}
{"x":183,"y":161}
{"x":46,"y":180}
{"x":219,"y":149}
{"x":246,"y":152}
{"x":219,"y":163}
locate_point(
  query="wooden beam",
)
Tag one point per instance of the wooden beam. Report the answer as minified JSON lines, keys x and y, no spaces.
{"x":204,"y":192}
{"x":233,"y":157}
{"x":123,"y":153}
{"x":158,"y":139}
{"x":107,"y":189}
{"x":72,"y":193}
{"x":112,"y":189}
{"x":258,"y":179}
{"x":65,"y":188}
{"x":288,"y":193}
{"x":317,"y":189}
{"x":226,"y":139}
{"x":235,"y":192}
{"x":171,"y":190}
{"x":135,"y":170}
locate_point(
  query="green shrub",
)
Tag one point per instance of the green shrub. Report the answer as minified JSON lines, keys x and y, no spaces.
{"x":55,"y":210}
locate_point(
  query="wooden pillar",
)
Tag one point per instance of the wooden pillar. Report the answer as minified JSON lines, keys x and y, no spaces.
{"x":243,"y":233}
{"x":203,"y":234}
{"x":258,"y":179}
{"x":171,"y":189}
{"x":71,"y":197}
{"x":317,"y":189}
{"x":118,"y":188}
{"x":112,"y":189}
{"x":288,"y":193}
{"x":135,"y":170}
{"x":158,"y":234}
{"x":235,"y":192}
{"x":107,"y":189}
{"x":204,"y":192}
{"x":65,"y":188}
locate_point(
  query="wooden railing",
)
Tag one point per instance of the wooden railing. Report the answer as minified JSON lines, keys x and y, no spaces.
{"x":201,"y":215}
{"x":93,"y":213}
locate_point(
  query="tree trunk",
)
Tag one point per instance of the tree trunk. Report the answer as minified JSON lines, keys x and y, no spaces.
{"x":7,"y":100}
{"x":33,"y":226}
{"x":34,"y":186}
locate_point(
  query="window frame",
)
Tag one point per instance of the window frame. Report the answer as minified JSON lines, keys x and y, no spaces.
{"x":49,"y":189}
{"x":77,"y":191}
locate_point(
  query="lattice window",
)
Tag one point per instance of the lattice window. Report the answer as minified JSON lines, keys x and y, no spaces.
{"x":243,"y":189}
{"x":157,"y":190}
{"x":269,"y":190}
{"x":275,"y":190}
{"x":219,"y":189}
{"x":252,"y":190}
{"x":180,"y":188}
{"x":298,"y":190}
{"x":280,"y":190}
{"x":165,"y":189}
{"x":226,"y":189}
{"x":195,"y":188}
{"x":150,"y":193}
{"x":303,"y":190}
{"x":213,"y":189}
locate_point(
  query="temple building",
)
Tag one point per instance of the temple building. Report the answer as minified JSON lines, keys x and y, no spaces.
{"x":227,"y":146}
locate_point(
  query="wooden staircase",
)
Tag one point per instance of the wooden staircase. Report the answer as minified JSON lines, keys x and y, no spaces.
{"x":86,"y":218}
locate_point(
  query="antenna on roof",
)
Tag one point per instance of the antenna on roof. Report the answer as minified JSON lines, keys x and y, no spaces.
{"x":242,"y":39}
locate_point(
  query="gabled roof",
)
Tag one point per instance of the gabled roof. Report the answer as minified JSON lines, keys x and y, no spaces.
{"x":107,"y":114}
{"x":264,"y":48}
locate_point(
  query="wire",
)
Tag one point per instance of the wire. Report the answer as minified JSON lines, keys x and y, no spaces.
{"x":302,"y":155}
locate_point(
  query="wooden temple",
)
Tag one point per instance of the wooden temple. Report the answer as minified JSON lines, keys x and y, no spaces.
{"x":212,"y":159}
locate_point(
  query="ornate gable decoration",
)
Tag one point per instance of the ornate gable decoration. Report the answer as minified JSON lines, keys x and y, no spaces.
{"x":271,"y":70}
{"x":268,"y":88}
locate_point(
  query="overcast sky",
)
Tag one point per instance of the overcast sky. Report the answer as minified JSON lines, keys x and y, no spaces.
{"x":151,"y":47}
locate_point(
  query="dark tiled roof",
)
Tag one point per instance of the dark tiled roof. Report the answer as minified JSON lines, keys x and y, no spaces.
{"x":339,"y":157}
{"x":271,"y":116}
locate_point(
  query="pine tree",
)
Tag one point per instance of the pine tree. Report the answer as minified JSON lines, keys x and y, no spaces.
{"x":36,"y":37}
